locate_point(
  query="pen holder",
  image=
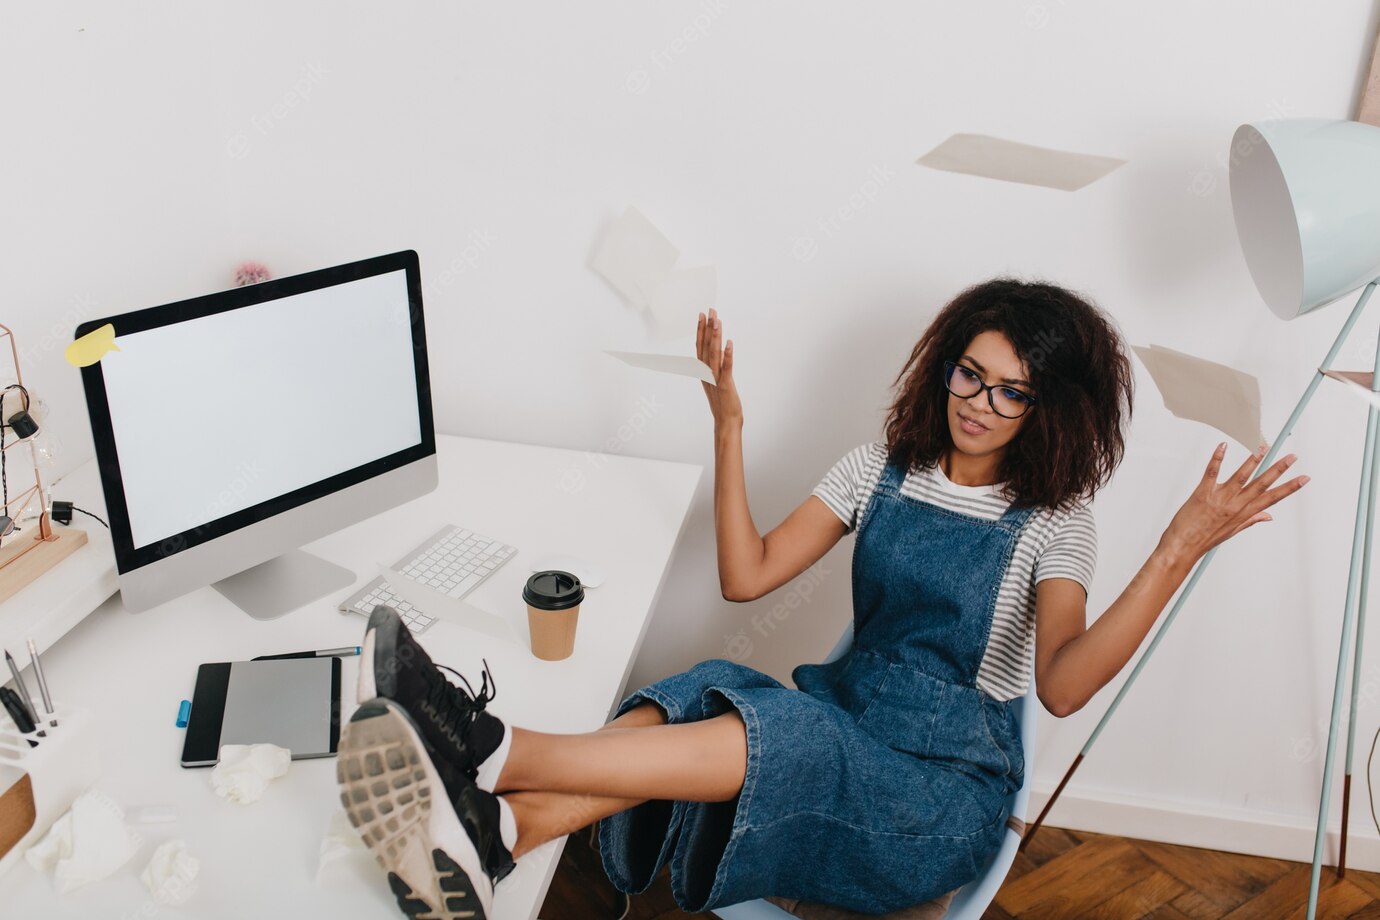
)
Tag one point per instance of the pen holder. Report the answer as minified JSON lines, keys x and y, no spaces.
{"x":39,"y":782}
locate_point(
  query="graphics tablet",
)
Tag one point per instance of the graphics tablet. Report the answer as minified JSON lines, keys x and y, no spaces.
{"x":291,"y":702}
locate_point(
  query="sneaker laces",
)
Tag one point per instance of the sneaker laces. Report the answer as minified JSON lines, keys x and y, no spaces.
{"x":452,"y":703}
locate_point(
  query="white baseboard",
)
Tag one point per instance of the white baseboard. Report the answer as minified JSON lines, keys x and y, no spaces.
{"x":1256,"y":833}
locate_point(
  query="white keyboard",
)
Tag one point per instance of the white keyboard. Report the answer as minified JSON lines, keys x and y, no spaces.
{"x":453,"y":561}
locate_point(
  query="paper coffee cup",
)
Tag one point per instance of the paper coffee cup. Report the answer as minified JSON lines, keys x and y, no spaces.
{"x":553,"y":610}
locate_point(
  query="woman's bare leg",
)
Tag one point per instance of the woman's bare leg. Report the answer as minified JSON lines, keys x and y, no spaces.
{"x":702,"y":761}
{"x":544,"y":814}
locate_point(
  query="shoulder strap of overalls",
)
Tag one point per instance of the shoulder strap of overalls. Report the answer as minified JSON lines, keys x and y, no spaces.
{"x":893,"y":474}
{"x":1017,"y":515}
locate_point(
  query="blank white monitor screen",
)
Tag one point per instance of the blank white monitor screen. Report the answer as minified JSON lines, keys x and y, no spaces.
{"x":217,"y":414}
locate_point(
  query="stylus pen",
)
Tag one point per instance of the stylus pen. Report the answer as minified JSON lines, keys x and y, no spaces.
{"x":42,"y":683}
{"x":320,"y":653}
{"x":24,"y":697}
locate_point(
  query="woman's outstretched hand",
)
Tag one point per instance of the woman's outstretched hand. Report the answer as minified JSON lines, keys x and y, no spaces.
{"x":723,"y":396}
{"x":1217,"y":511}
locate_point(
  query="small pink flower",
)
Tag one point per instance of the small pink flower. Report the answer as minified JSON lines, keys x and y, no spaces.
{"x":251,"y":273}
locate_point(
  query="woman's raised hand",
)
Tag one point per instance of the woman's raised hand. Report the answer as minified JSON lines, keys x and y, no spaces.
{"x":1217,"y":511}
{"x":723,"y":395}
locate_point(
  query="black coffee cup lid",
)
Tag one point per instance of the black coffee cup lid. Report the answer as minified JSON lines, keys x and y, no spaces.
{"x":553,"y":590}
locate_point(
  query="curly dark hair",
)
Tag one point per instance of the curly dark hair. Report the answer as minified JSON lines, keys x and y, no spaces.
{"x":1072,"y":439}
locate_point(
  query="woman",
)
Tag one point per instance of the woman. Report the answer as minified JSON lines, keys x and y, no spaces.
{"x":882,"y":781}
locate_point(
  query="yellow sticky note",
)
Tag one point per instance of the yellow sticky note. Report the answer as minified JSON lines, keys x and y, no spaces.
{"x":92,"y":347}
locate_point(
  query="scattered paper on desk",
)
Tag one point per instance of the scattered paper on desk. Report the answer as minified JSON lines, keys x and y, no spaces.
{"x":86,"y":844}
{"x":243,"y":771}
{"x":635,"y":257}
{"x":1011,"y":161}
{"x":1204,"y":391}
{"x":171,"y":874}
{"x":153,"y":814}
{"x":434,"y":603}
{"x":341,"y":841}
{"x":685,"y":293}
{"x":1358,"y":383}
{"x":92,"y":347}
{"x":682,"y":365}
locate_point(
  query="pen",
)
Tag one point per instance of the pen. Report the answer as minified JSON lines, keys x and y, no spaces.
{"x":42,"y":683}
{"x":24,"y":698}
{"x":321,"y":653}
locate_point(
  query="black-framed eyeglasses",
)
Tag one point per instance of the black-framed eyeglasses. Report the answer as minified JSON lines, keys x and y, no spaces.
{"x":965,"y":383}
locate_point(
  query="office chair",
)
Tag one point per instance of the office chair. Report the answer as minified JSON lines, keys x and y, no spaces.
{"x":973,"y":898}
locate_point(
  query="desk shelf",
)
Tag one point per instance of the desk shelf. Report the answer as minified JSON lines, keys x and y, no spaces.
{"x":62,"y":597}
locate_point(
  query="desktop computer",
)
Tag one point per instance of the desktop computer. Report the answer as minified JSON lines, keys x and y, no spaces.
{"x":234,"y":428}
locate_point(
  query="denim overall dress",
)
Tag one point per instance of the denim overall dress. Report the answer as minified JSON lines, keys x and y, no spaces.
{"x":883,"y":780}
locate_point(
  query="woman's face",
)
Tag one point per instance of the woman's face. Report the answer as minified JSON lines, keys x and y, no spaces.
{"x":973,"y":425}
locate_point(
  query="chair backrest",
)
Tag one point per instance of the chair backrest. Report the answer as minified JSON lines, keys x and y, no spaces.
{"x":842,"y":646}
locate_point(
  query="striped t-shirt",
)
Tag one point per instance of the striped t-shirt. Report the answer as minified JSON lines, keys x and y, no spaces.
{"x":1053,"y":544}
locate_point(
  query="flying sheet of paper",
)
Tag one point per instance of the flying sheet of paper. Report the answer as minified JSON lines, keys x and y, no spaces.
{"x":635,"y":257}
{"x":444,"y":607}
{"x":685,"y":293}
{"x":1358,"y":383}
{"x":1207,"y":392}
{"x":997,"y":158}
{"x":1369,"y":109}
{"x":682,"y":365}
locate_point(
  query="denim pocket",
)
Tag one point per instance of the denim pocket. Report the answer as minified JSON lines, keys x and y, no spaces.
{"x":855,"y":685}
{"x":1004,"y":735}
{"x":1001,"y":749}
{"x":905,"y":709}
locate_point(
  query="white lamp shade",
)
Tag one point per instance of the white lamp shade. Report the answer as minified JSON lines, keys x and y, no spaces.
{"x":1305,"y":193}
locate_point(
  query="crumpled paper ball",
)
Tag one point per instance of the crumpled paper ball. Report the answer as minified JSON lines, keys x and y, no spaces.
{"x":171,"y":874}
{"x":244,"y":770}
{"x":86,"y":844}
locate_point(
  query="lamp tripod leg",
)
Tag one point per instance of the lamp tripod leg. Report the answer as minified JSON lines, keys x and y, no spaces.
{"x":1360,"y":628}
{"x":1031,"y":831}
{"x":1357,"y":573}
{"x":1203,"y":563}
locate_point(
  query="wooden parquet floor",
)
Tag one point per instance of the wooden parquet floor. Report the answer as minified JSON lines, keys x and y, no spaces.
{"x":1063,"y":875}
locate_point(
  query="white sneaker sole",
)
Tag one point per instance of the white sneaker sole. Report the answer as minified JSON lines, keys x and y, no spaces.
{"x":391,"y":791}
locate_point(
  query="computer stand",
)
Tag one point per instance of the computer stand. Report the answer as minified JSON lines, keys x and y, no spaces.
{"x":283,"y":584}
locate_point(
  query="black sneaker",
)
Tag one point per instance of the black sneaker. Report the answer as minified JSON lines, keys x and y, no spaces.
{"x":430,"y":826}
{"x":453,"y":719}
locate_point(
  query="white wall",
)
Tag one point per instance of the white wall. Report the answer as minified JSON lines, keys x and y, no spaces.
{"x":151,"y":147}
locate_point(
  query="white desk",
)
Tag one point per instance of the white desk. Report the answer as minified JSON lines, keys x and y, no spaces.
{"x":260,"y":860}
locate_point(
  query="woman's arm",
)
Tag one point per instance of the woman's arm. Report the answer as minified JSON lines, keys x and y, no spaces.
{"x":750,"y":565}
{"x":1073,"y":661}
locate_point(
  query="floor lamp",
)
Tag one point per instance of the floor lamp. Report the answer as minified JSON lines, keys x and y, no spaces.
{"x":1305,"y":194}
